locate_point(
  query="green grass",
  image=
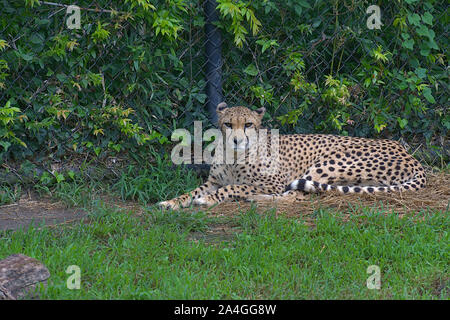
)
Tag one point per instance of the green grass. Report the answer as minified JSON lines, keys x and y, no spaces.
{"x":161,"y":256}
{"x":145,"y":184}
{"x":9,"y":194}
{"x":176,"y":255}
{"x":149,"y":184}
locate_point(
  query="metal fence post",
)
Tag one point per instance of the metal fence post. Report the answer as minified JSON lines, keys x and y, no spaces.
{"x":213,"y":48}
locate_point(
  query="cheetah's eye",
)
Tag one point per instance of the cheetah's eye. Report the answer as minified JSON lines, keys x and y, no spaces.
{"x":248,"y":125}
{"x":227,"y":124}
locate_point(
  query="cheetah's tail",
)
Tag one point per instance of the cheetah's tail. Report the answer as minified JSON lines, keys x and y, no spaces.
{"x":414,"y":183}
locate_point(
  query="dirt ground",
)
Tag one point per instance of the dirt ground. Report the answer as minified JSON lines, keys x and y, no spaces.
{"x":436,"y":195}
{"x":36,"y":211}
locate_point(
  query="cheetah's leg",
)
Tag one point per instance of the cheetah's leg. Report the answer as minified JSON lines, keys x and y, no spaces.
{"x":289,"y":196}
{"x":186,"y":199}
{"x":241,"y":192}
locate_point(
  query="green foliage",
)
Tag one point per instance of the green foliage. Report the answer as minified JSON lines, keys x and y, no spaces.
{"x":9,"y":194}
{"x":327,"y":72}
{"x":8,"y":120}
{"x":124,"y":254}
{"x":129,"y":77}
{"x":100,"y":33}
{"x":108,"y":87}
{"x":239,"y":11}
{"x":149,"y":184}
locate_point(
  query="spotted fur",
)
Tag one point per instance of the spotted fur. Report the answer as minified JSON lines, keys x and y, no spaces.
{"x":306,"y":163}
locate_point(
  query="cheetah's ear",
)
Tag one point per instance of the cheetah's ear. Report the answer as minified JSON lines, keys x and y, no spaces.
{"x":260,"y":111}
{"x":221,"y":106}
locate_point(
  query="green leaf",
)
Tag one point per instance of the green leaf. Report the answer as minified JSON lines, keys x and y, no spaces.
{"x":402,"y":122}
{"x":316,"y":22}
{"x":427,"y":18}
{"x":414,"y":19}
{"x":26,"y":56}
{"x":36,"y":39}
{"x":425,"y":32}
{"x":61,"y":77}
{"x":59,"y":177}
{"x":425,"y":52}
{"x":5,"y":145}
{"x":421,"y":72}
{"x":427,"y":94}
{"x":408,"y":44}
{"x":304,"y":3}
{"x":71,"y":174}
{"x":199,"y":21}
{"x":42,"y":21}
{"x":267,"y":44}
{"x":446,"y":124}
{"x":251,"y":70}
{"x":200,"y":97}
{"x":433,"y":45}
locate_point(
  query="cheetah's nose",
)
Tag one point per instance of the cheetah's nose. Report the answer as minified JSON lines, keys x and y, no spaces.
{"x":235,"y":140}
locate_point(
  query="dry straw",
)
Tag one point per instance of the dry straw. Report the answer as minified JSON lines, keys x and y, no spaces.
{"x":435,"y":196}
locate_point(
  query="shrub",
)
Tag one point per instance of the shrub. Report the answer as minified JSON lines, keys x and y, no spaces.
{"x":134,"y":73}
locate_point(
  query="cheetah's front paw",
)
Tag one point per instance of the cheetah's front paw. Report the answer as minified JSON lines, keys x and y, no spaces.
{"x":168,"y":205}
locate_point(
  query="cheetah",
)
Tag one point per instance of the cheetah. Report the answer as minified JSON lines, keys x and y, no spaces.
{"x":303,"y":163}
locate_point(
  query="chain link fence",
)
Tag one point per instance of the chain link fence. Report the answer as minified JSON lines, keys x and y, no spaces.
{"x":317,"y":66}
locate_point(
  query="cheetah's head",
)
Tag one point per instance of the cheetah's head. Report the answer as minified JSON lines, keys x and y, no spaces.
{"x":238,"y":124}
